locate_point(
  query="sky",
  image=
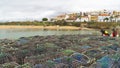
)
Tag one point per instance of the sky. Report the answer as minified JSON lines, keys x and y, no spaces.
{"x":19,"y":10}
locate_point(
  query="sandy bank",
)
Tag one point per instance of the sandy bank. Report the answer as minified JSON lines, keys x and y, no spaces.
{"x":17,"y":26}
{"x":42,"y":27}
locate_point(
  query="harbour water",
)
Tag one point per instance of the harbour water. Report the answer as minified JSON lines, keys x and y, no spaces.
{"x":17,"y":33}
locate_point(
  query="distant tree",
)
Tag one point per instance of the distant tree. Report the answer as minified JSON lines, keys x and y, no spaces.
{"x":44,"y":19}
{"x":106,"y":19}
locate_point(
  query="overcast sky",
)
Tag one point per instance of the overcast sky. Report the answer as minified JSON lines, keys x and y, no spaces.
{"x":11,"y":10}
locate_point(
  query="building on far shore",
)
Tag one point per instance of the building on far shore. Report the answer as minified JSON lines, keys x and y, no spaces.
{"x":84,"y":19}
{"x":60,"y":17}
{"x":104,"y":18}
{"x":94,"y":16}
{"x":116,"y":12}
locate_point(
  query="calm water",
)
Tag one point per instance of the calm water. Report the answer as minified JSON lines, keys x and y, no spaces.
{"x":17,"y":33}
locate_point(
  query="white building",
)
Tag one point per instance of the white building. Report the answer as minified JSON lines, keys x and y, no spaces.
{"x":101,"y":18}
{"x":78,"y":20}
{"x":116,"y":19}
{"x":84,"y":18}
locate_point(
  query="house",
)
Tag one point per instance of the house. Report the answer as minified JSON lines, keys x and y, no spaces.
{"x":94,"y":18}
{"x":82,"y":19}
{"x":116,"y":18}
{"x":78,"y":20}
{"x":116,"y":13}
{"x":94,"y":13}
{"x":60,"y":17}
{"x":71,"y":17}
{"x":104,"y":18}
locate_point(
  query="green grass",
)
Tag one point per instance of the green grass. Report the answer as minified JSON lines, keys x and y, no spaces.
{"x":96,"y":25}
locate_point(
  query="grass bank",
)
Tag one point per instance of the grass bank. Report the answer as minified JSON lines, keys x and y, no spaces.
{"x":76,"y":25}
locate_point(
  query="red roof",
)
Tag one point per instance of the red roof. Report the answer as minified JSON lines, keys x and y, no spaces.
{"x":103,"y":14}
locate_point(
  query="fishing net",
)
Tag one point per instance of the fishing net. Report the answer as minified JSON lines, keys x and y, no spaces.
{"x":38,"y":66}
{"x":104,"y":62}
{"x":68,"y":52}
{"x":50,"y":64}
{"x":81,"y":58}
{"x":93,"y":53}
{"x":58,"y":60}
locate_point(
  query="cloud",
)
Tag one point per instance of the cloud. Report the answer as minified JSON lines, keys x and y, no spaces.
{"x":37,"y":9}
